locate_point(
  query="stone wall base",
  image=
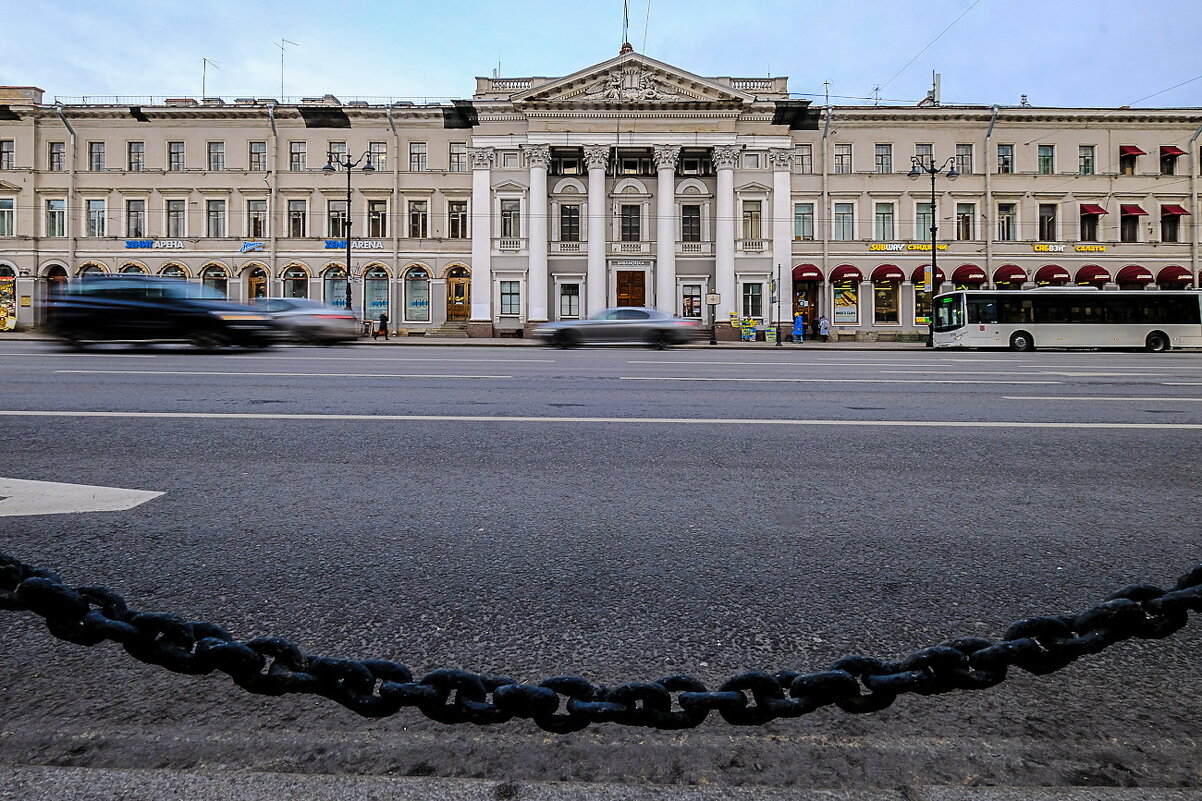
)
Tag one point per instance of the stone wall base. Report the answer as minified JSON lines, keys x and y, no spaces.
{"x":481,"y":329}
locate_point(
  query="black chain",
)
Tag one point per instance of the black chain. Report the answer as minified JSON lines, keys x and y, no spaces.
{"x":378,"y":688}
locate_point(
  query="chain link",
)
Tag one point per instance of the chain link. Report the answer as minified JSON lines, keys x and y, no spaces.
{"x":378,"y":688}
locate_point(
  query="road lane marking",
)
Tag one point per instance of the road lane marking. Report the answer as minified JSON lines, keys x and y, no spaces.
{"x":1097,"y":398}
{"x":458,"y":418}
{"x":1020,"y":372}
{"x":21,"y":497}
{"x":256,"y":373}
{"x":827,"y":380}
{"x":1181,"y":383}
{"x":261,"y":356}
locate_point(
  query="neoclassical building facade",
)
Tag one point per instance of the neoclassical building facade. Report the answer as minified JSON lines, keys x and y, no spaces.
{"x":630,"y":182}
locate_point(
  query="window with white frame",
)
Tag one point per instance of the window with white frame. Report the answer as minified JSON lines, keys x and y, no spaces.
{"x":56,"y":156}
{"x":297,"y":218}
{"x":95,"y":226}
{"x":569,"y":222}
{"x":751,"y":161}
{"x":964,"y":159}
{"x":1047,"y":222}
{"x":509,"y":160}
{"x":135,"y":153}
{"x":690,"y":222}
{"x":8,"y":154}
{"x":336,"y":218}
{"x":965,"y":221}
{"x":845,"y":222}
{"x":803,"y":160}
{"x":377,"y":218}
{"x":56,"y":218}
{"x":511,"y":297}
{"x":924,"y":152}
{"x":842,"y":158}
{"x":1005,"y":159}
{"x":458,"y":162}
{"x":1086,"y":161}
{"x":215,"y":218}
{"x":7,"y":216}
{"x":336,"y":154}
{"x":631,"y":219}
{"x":883,"y":221}
{"x":1047,"y":159}
{"x":569,"y":300}
{"x":924,"y":218}
{"x":298,"y":156}
{"x":753,"y":300}
{"x":1007,"y":222}
{"x":257,"y":156}
{"x":95,"y":156}
{"x":752,"y":222}
{"x":377,"y":154}
{"x":457,"y":219}
{"x":690,"y":301}
{"x":803,"y":221}
{"x":884,"y":159}
{"x":135,"y":218}
{"x":511,"y":218}
{"x":419,"y":219}
{"x":256,"y":218}
{"x":176,"y":218}
{"x":417,"y":157}
{"x":175,"y":156}
{"x":216,"y":156}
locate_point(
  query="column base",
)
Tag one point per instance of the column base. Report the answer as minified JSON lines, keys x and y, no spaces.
{"x":726,"y":333}
{"x":480,"y":329}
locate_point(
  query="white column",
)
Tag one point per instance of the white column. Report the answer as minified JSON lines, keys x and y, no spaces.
{"x":596,"y":157}
{"x":782,"y":233}
{"x":666,"y":157}
{"x":482,"y":162}
{"x":538,"y":158}
{"x":725,"y":158}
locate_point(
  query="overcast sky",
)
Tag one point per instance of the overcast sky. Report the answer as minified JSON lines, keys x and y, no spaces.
{"x":1057,"y":52}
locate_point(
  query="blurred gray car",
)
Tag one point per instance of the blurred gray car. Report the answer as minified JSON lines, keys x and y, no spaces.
{"x":624,"y":324}
{"x":309,"y":321}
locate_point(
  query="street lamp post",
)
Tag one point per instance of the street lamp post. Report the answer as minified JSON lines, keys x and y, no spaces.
{"x":921,"y":166}
{"x":332,"y":165}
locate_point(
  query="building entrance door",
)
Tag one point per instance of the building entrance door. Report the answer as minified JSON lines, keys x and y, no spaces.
{"x":459,"y":292}
{"x":632,"y":288}
{"x":256,"y":284}
{"x":805,"y":299}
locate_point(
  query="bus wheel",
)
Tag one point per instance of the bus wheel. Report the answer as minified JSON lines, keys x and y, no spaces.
{"x":1022,"y":341}
{"x":1157,"y":342}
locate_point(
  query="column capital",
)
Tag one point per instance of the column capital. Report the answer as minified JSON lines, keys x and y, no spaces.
{"x":726,"y":157}
{"x":666,"y":157}
{"x":596,"y":156}
{"x":780,"y":159}
{"x":483,"y":158}
{"x":537,"y":155}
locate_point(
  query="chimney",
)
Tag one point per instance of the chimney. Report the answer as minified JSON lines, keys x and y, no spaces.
{"x":21,"y":95}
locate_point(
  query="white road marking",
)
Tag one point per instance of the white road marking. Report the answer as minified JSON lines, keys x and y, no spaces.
{"x":89,"y":355}
{"x":21,"y":497}
{"x":827,"y":380}
{"x":1019,"y":372}
{"x":274,"y":356}
{"x":1093,"y":398}
{"x":411,"y":418}
{"x":1181,"y":383}
{"x":256,"y":373}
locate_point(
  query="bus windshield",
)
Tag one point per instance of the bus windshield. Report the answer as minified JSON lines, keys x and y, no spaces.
{"x":949,"y":312}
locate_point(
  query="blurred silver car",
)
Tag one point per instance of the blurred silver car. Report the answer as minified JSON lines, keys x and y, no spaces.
{"x":308,"y":321}
{"x":624,"y":324}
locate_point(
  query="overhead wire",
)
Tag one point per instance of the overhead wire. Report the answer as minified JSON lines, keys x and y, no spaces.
{"x":930,"y":43}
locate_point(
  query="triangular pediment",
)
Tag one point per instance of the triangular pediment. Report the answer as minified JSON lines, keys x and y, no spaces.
{"x":753,"y":186}
{"x":632,"y":78}
{"x":5,"y":186}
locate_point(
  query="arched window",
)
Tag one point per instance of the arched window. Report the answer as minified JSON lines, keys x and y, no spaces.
{"x":296,"y":283}
{"x":91,"y":269}
{"x":173,"y":271}
{"x":256,"y":283}
{"x":886,"y":280}
{"x":417,"y":295}
{"x":8,"y":293}
{"x":375,"y":292}
{"x":215,"y":277}
{"x":136,"y":269}
{"x":334,"y":287}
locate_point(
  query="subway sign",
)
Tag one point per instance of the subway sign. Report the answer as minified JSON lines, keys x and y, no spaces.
{"x":900,"y":246}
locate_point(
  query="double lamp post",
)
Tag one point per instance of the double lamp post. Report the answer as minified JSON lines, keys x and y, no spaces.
{"x":333,"y":164}
{"x":921,"y":165}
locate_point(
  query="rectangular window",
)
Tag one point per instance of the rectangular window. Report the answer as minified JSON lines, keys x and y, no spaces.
{"x":1127,"y":161}
{"x":378,"y":155}
{"x":883,"y":222}
{"x":923,"y":220}
{"x":458,"y":161}
{"x":56,"y":157}
{"x":1129,"y":228}
{"x":631,"y":227}
{"x":457,"y":219}
{"x":1047,"y":159}
{"x":690,"y":301}
{"x":419,"y":219}
{"x":1089,"y":227}
{"x":216,"y":156}
{"x":753,"y":300}
{"x":845,"y":221}
{"x":885,"y":302}
{"x":964,"y":159}
{"x":336,"y":154}
{"x":751,"y":161}
{"x":298,"y":156}
{"x":965,"y":221}
{"x":1047,"y":222}
{"x":1085,"y":160}
{"x":1007,"y":227}
{"x":336,"y":219}
{"x":842,"y":159}
{"x":417,"y":157}
{"x":924,"y":153}
{"x":690,"y":223}
{"x":176,"y":219}
{"x":569,"y":222}
{"x":1169,"y":228}
{"x":803,"y":221}
{"x":135,"y":219}
{"x":752,"y":211}
{"x":95,"y":156}
{"x":884,"y":159}
{"x":258,"y":157}
{"x":6,"y":216}
{"x":7,"y":154}
{"x":1005,"y":158}
{"x":803,"y":160}
{"x":135,"y":156}
{"x":1168,"y":164}
{"x":297,"y":218}
{"x":215,"y":218}
{"x":175,"y":156}
{"x":95,"y":218}
{"x":569,"y":300}
{"x":377,"y":218}
{"x":56,"y":218}
{"x":511,"y":297}
{"x":256,"y":218}
{"x":511,"y":211}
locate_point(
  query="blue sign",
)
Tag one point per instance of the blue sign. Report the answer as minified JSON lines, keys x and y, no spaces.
{"x":247,"y":247}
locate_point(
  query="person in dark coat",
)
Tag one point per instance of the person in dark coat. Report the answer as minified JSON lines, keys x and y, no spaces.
{"x":383,"y":327}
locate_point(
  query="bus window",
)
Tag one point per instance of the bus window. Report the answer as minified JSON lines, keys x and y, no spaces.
{"x":1015,"y":311}
{"x":982,"y":311}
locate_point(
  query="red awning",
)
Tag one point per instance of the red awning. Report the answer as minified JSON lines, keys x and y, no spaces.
{"x":888,"y":272}
{"x":1130,"y":150}
{"x":1133,"y":274}
{"x":1131,"y":210}
{"x":1092,"y":208}
{"x":806,"y":272}
{"x":967,"y":272}
{"x":919,"y":275}
{"x":1174,"y":275}
{"x":1093,"y":274}
{"x":1171,"y":210}
{"x":845,"y":273}
{"x":1008,"y":273}
{"x":1171,"y":150}
{"x":1049,"y":273}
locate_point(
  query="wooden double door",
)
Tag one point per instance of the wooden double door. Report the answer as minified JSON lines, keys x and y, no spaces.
{"x":631,"y":288}
{"x":459,"y":294}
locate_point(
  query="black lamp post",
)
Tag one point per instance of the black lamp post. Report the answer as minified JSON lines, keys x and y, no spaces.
{"x":921,"y":166}
{"x":332,"y":165}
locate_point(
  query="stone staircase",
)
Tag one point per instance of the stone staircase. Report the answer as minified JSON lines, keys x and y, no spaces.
{"x":453,"y":329}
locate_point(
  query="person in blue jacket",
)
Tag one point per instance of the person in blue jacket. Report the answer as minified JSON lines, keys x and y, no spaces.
{"x":799,"y":327}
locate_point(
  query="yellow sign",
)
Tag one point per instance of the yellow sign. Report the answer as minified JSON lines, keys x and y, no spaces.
{"x":1090,"y":248}
{"x":27,"y":300}
{"x":734,"y":319}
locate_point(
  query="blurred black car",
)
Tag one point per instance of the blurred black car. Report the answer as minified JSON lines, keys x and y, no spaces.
{"x":137,"y":308}
{"x":624,"y":324}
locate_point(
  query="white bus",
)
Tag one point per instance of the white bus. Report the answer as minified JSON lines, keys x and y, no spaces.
{"x":1067,"y":317}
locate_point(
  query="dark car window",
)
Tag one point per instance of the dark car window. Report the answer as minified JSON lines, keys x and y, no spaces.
{"x":633,"y":314}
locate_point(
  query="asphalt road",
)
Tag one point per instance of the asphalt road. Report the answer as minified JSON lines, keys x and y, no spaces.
{"x":620,"y":514}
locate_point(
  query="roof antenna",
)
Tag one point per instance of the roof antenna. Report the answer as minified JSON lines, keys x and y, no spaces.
{"x":280,"y":44}
{"x":826,"y":90}
{"x":626,"y":47}
{"x":204,"y":63}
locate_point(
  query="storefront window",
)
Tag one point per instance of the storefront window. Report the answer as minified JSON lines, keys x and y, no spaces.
{"x":256,"y":283}
{"x":847,"y":303}
{"x":173,"y":271}
{"x":690,"y":301}
{"x":885,"y":301}
{"x":417,"y":295}
{"x":375,"y":293}
{"x":296,"y":283}
{"x":8,"y":296}
{"x":334,"y":290}
{"x":216,"y":278}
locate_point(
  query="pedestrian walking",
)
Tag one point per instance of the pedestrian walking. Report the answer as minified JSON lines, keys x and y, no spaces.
{"x":824,"y":328}
{"x":799,"y":327}
{"x":814,"y":328}
{"x":383,"y":328}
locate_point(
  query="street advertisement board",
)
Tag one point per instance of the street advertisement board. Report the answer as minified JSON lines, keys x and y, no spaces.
{"x":847,"y":305}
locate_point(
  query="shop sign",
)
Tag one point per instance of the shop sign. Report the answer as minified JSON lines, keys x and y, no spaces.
{"x":901,"y":246}
{"x":1042,"y":248}
{"x":155,"y":244}
{"x":247,"y":247}
{"x":27,"y":300}
{"x":356,"y":244}
{"x":1090,"y":248}
{"x":713,"y":299}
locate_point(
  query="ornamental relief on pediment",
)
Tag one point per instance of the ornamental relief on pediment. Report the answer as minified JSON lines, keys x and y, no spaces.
{"x":630,"y":84}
